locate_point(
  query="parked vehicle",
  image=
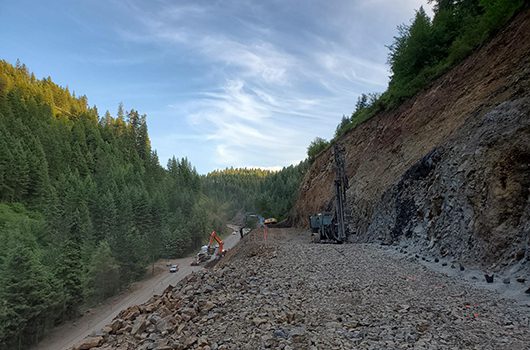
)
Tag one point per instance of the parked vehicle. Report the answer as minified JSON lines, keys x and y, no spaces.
{"x":270,"y":221}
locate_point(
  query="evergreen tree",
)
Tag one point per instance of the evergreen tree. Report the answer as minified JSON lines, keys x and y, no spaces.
{"x":28,"y":297}
{"x":411,"y":52}
{"x":102,"y":275}
{"x":315,"y":147}
{"x":69,"y":271}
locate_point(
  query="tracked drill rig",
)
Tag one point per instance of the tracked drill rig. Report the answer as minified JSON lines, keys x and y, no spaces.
{"x":330,"y":227}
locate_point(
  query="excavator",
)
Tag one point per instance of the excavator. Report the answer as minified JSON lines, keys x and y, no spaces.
{"x":210,"y":250}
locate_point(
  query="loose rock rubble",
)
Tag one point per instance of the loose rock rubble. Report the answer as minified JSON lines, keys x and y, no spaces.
{"x":287,"y":293}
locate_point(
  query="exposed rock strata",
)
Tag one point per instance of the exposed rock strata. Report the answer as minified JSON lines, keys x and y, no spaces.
{"x":448,"y":170}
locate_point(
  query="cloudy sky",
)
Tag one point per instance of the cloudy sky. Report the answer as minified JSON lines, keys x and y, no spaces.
{"x":224,"y":83}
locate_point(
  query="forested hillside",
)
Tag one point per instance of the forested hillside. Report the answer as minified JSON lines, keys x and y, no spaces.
{"x":84,"y":204}
{"x":236,"y":187}
{"x":267,"y":193}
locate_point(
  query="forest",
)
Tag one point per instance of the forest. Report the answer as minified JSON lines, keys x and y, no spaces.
{"x":426,"y":48}
{"x":268,"y":193}
{"x":85,"y":205}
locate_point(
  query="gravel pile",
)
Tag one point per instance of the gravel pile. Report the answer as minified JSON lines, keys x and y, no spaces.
{"x":287,"y":293}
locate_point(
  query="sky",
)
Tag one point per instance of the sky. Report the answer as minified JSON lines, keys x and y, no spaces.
{"x":224,"y":83}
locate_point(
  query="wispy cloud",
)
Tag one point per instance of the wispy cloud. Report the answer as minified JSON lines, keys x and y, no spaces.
{"x":353,"y":69}
{"x":242,"y":125}
{"x":232,"y":82}
{"x":268,"y":93}
{"x":257,"y":60}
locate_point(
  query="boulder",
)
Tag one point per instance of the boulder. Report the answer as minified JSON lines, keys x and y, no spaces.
{"x":89,"y":343}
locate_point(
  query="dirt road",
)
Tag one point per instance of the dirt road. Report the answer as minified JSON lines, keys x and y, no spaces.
{"x":69,"y":334}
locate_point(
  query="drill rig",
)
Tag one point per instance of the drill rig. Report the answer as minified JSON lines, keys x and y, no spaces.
{"x":329,"y":227}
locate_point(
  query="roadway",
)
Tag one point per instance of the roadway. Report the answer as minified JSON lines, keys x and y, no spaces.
{"x":70,"y":333}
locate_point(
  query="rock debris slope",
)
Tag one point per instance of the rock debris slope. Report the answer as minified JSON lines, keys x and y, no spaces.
{"x":289,"y":294}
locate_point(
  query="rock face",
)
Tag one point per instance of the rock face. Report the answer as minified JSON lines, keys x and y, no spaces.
{"x":287,"y":293}
{"x":448,"y":171}
{"x":468,"y":198}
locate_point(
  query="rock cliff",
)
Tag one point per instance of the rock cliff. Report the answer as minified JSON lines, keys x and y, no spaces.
{"x":448,"y":171}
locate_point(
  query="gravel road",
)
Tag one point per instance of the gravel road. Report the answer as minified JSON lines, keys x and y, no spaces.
{"x":69,"y":334}
{"x":287,"y":293}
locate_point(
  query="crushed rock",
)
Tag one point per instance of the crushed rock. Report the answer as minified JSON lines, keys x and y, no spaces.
{"x":287,"y":293}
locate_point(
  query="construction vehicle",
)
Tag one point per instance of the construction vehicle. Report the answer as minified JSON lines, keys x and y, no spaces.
{"x":202,"y":256}
{"x":321,"y":225}
{"x":270,"y":221}
{"x":329,"y":227}
{"x":210,"y":251}
{"x":254,"y":220}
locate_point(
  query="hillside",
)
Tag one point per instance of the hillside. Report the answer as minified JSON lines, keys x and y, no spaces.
{"x":85,"y":205}
{"x":449,"y":169}
{"x":242,"y":190}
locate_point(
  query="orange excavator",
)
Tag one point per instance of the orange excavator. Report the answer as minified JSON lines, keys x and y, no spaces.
{"x":211,"y":248}
{"x":207,"y":251}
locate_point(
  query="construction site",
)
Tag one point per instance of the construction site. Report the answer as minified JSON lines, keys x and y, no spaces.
{"x":404,"y":226}
{"x":432,"y":253}
{"x":289,"y":293}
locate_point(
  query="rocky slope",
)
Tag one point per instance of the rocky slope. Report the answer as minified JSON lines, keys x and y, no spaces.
{"x":469,"y":196}
{"x":448,"y":171}
{"x":287,"y":293}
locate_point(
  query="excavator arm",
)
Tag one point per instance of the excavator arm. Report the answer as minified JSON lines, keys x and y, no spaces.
{"x":205,"y":255}
{"x":215,"y":237}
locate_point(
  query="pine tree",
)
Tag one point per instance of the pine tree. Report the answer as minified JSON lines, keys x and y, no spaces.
{"x":39,"y":185}
{"x":102,"y":276}
{"x":411,"y":52}
{"x":28,"y":297}
{"x":69,"y":272}
{"x":7,"y":191}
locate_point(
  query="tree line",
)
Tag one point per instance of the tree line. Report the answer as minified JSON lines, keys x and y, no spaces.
{"x":268,"y":193}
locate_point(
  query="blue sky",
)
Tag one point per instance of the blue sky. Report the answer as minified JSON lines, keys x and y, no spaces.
{"x":224,"y":83}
